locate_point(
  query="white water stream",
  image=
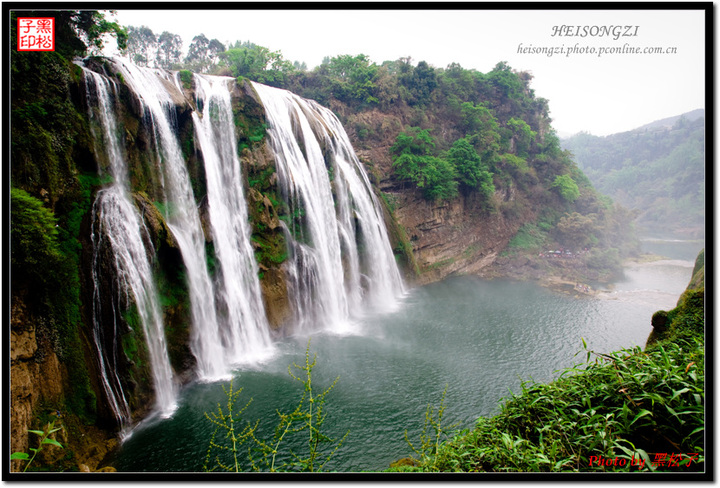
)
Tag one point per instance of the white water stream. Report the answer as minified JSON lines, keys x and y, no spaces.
{"x":244,"y":327}
{"x":119,"y":226}
{"x":327,"y":191}
{"x":153,"y":88}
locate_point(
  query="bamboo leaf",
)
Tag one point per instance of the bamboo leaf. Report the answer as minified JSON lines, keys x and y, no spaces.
{"x":642,"y":413}
{"x":679,"y":392}
{"x":53,"y":442}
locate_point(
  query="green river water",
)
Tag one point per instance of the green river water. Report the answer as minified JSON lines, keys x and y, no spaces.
{"x":479,"y":339}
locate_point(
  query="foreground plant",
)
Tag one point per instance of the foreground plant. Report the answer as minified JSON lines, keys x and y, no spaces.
{"x":44,"y":440}
{"x":306,"y":419}
{"x":304,"y":423}
{"x":432,"y":434}
{"x":626,"y":411}
{"x":235,"y":437}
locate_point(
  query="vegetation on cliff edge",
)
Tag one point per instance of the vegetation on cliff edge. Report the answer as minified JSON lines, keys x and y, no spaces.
{"x":448,"y":133}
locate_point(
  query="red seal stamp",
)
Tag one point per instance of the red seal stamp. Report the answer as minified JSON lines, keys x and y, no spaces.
{"x":36,"y":34}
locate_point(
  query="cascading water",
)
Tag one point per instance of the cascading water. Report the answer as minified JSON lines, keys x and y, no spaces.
{"x":340,"y":254}
{"x":119,"y":227}
{"x":329,"y":279}
{"x":378,"y":262}
{"x":153,"y":88}
{"x":244,"y":325}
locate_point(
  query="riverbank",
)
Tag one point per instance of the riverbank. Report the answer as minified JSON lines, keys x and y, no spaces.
{"x":567,"y":274}
{"x":629,"y":411}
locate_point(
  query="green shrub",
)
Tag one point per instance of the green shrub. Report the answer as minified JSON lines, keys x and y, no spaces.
{"x":473,"y":174}
{"x":625,"y":405}
{"x":304,"y":422}
{"x":643,"y":409}
{"x":566,"y":187}
{"x":33,"y":237}
{"x":529,"y":236}
{"x":186,"y":77}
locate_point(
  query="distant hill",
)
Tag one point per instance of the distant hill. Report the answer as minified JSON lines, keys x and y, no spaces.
{"x":657,"y":169}
{"x":670,"y":121}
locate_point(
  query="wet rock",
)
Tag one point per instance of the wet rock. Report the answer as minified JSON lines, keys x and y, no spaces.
{"x":659,"y":321}
{"x":275,"y":296}
{"x":155,"y":221}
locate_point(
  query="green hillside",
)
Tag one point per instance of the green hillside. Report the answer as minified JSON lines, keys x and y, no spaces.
{"x":657,"y":170}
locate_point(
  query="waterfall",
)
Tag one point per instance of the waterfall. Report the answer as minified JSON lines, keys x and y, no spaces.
{"x":153,"y":87}
{"x":245,"y":329}
{"x":340,"y":261}
{"x":358,"y":199}
{"x":119,"y":226}
{"x":340,"y":257}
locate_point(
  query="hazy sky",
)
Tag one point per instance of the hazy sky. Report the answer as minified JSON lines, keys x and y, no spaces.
{"x":598,"y":93}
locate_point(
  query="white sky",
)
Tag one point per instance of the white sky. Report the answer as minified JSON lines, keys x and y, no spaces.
{"x":601,"y":95}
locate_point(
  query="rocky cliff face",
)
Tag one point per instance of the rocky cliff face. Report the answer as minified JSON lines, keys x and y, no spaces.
{"x":457,"y":237}
{"x":41,"y":383}
{"x":461,"y":236}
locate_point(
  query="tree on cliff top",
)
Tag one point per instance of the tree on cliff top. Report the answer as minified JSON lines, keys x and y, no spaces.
{"x":566,"y":187}
{"x":203,"y":53}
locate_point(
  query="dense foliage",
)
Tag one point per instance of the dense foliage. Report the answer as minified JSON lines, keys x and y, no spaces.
{"x":33,"y":236}
{"x":50,"y":193}
{"x":658,"y":170}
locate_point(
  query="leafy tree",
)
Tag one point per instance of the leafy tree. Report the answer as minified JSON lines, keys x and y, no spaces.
{"x":353,"y":78}
{"x":92,"y":25}
{"x":142,"y":46}
{"x":437,"y":178}
{"x":505,"y":81}
{"x":458,"y":81}
{"x":421,"y":83}
{"x":387,"y":88}
{"x":566,"y":187}
{"x":481,"y":129}
{"x":550,"y":145}
{"x":258,"y":64}
{"x":523,"y":136}
{"x":576,"y":230}
{"x":414,"y":161}
{"x":203,"y":53}
{"x":473,"y":174}
{"x":476,"y":118}
{"x":169,"y":50}
{"x":515,"y":163}
{"x":415,"y":141}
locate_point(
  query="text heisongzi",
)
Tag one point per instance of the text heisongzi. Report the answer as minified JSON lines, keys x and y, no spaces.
{"x":614,"y":31}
